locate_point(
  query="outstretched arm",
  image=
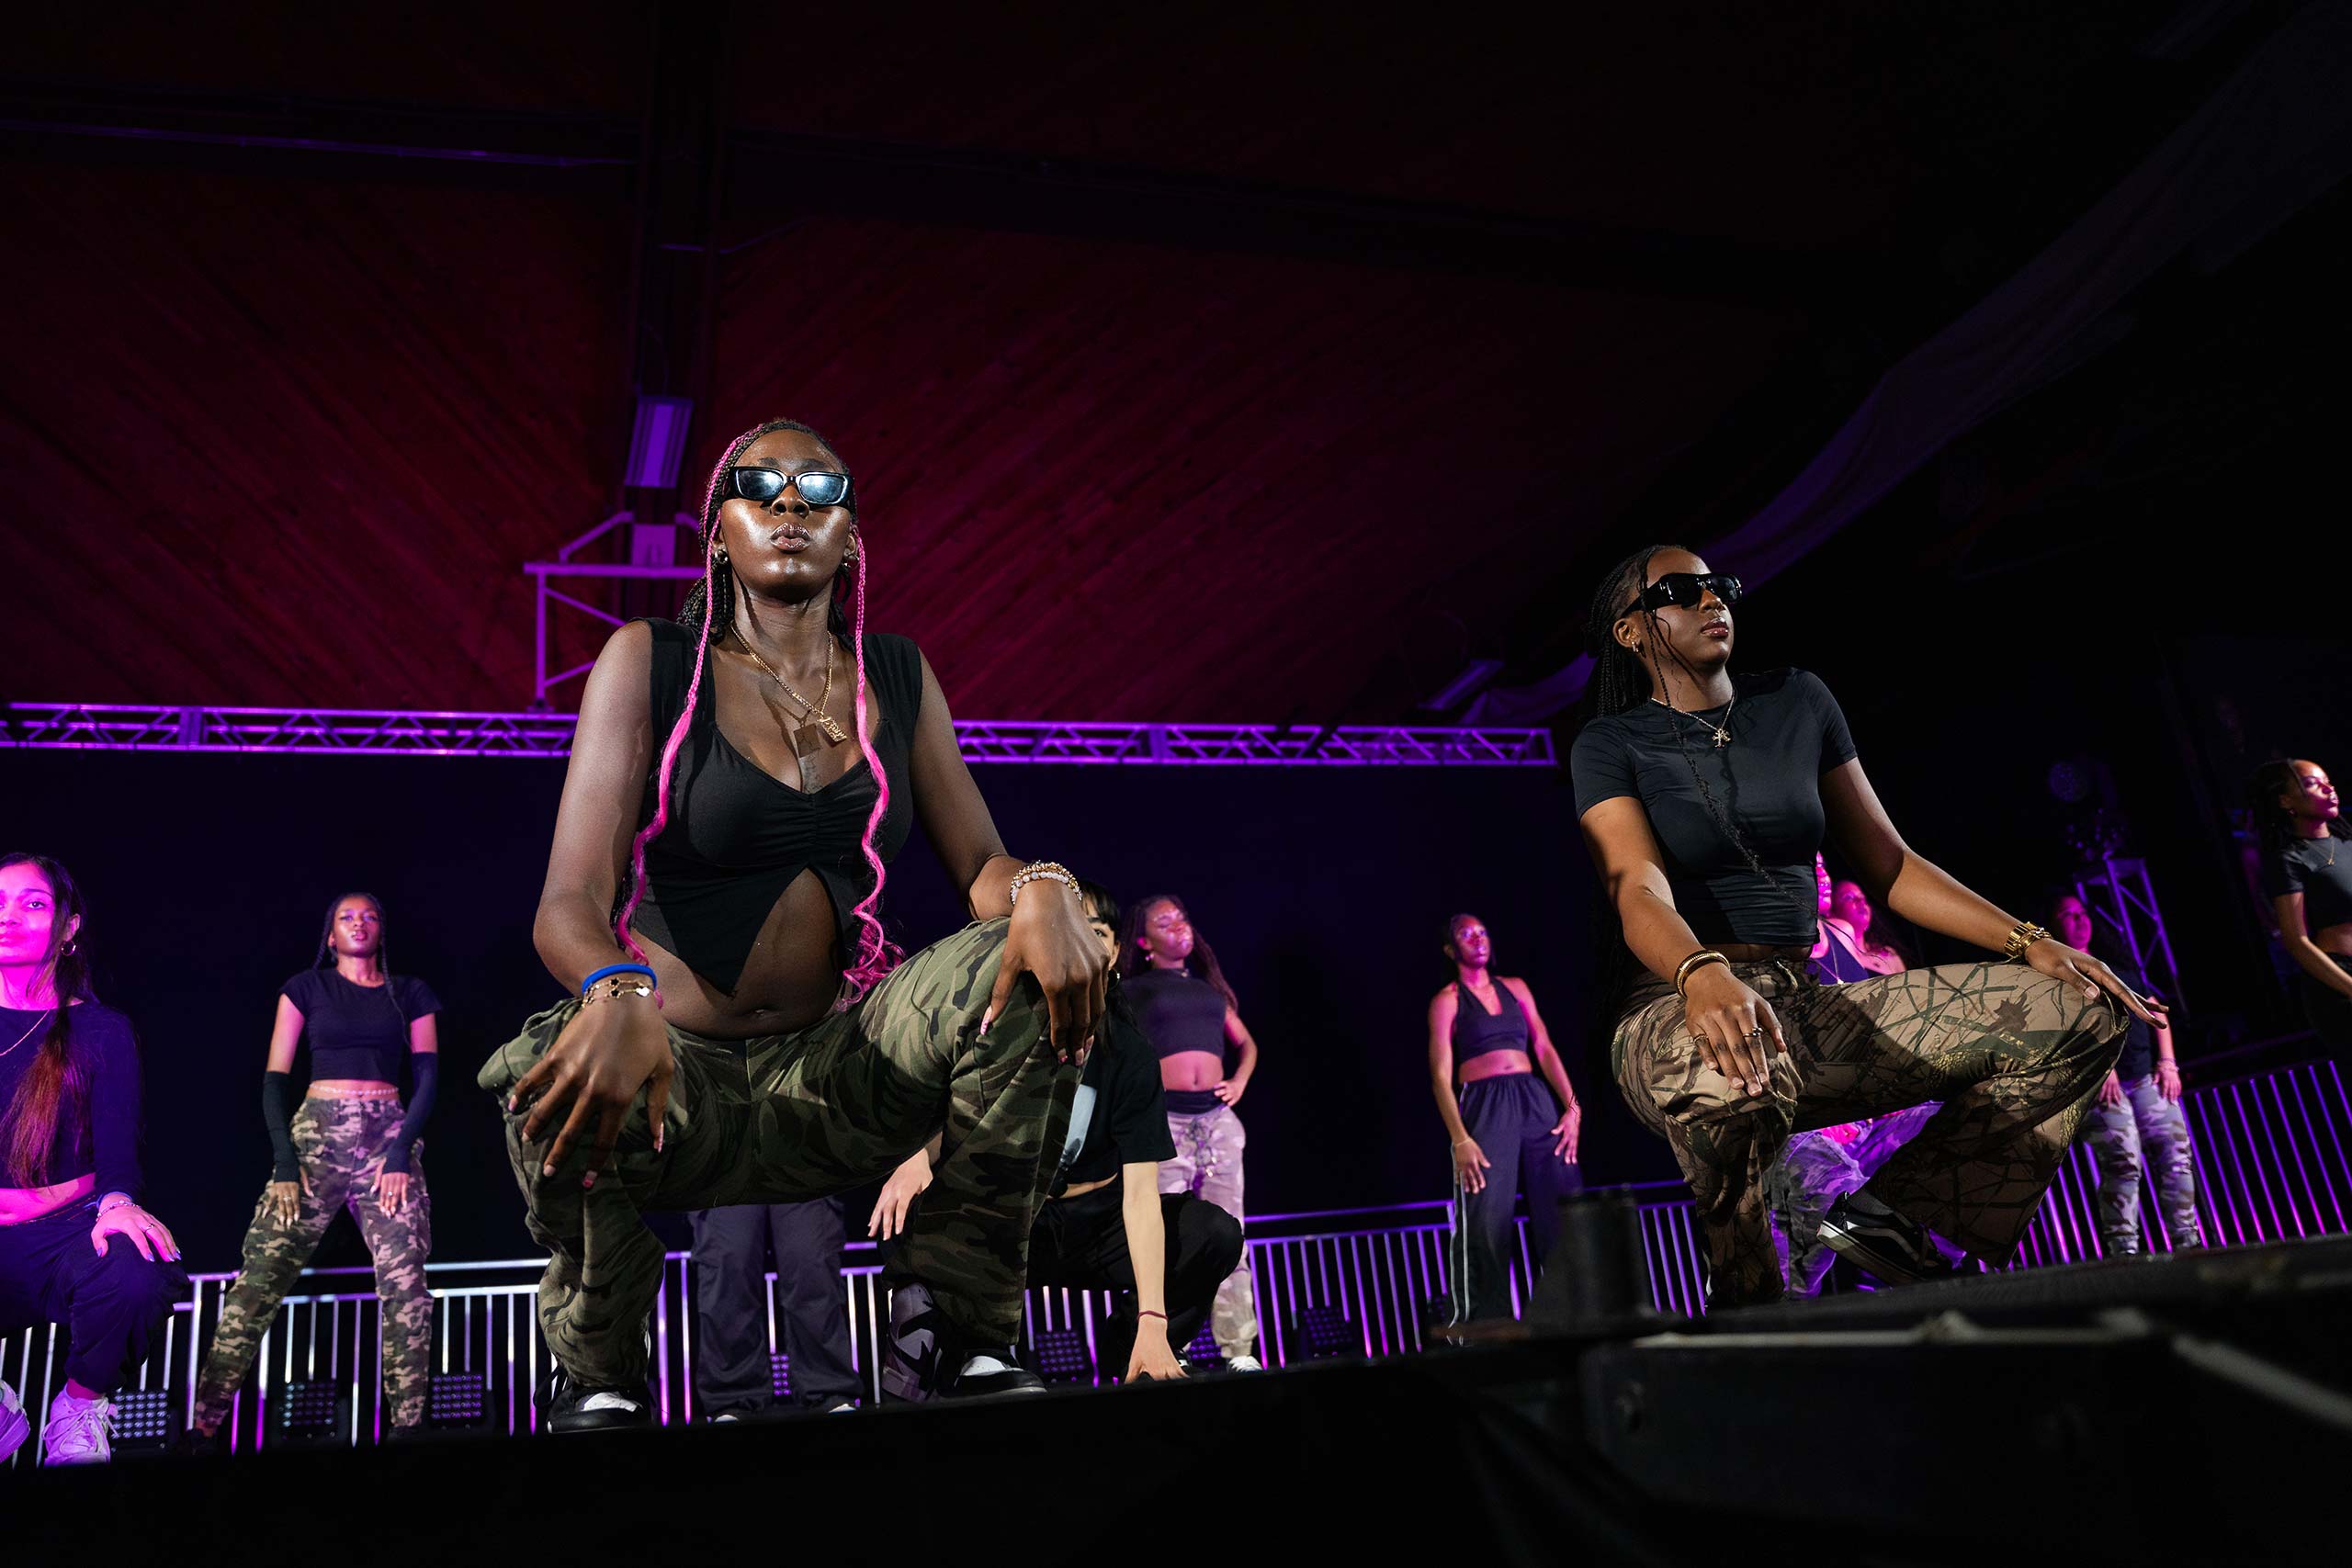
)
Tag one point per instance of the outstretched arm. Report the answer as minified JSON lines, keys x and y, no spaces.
{"x":1153,"y":1357}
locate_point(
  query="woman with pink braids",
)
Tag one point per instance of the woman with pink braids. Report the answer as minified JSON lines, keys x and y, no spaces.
{"x":741,"y":1031}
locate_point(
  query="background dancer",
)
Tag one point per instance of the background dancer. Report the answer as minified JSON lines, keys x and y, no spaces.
{"x":2137,"y":1123}
{"x":1703,"y":799}
{"x":1853,"y":924}
{"x":350,"y":1145}
{"x":733,"y":1377}
{"x":741,"y":825}
{"x":1486,"y":1032}
{"x":1190,"y":1021}
{"x":76,"y":1248}
{"x":2298,"y":830}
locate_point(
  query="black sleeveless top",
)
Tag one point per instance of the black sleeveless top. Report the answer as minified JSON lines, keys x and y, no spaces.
{"x":736,"y":837}
{"x":1477,"y":1032}
{"x":1177,"y":1013}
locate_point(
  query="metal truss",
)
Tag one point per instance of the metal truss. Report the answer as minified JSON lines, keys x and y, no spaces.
{"x":376,"y":731}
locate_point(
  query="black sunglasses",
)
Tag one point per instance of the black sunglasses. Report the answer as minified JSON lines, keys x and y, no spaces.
{"x":763,"y":485}
{"x":1686,"y":588}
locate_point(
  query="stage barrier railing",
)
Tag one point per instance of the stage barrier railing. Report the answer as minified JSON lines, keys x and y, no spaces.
{"x":2271,"y":1161}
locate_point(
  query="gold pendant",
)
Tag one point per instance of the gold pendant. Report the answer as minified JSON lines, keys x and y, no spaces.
{"x":820,"y":732}
{"x":1723,"y":739}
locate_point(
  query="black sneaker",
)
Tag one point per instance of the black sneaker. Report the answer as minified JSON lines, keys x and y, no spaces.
{"x":577,"y":1407}
{"x":989,"y":1372}
{"x":914,"y":1354}
{"x":1873,"y":1236}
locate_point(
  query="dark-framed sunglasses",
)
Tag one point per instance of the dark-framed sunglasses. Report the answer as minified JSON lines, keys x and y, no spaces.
{"x":1685,"y":589}
{"x":817,"y":486}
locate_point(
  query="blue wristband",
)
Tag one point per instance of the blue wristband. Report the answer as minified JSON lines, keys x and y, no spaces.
{"x":650,"y":978}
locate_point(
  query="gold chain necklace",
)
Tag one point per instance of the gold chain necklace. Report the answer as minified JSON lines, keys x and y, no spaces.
{"x":1721,"y":731}
{"x":822,"y":730}
{"x":28,"y":1034}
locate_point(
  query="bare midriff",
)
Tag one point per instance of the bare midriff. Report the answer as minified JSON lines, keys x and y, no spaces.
{"x":789,"y":980}
{"x":1494,"y":1065}
{"x":2334,"y":939}
{"x":18,"y":1204}
{"x":1192,"y":1070}
{"x":1081,"y":1188}
{"x":1750,"y":953}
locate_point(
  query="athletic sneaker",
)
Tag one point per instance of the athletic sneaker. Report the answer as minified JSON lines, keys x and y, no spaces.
{"x":1873,"y":1236}
{"x":913,"y":1353}
{"x":576,"y":1407}
{"x":78,"y":1430}
{"x":15,"y":1424}
{"x":1244,"y":1364}
{"x":993,"y":1371}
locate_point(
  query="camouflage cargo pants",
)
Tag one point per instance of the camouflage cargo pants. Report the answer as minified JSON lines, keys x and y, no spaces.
{"x":342,"y":1144}
{"x":1208,"y":1165}
{"x":2013,"y":1056}
{"x":2143,"y":1130}
{"x":789,"y":1117}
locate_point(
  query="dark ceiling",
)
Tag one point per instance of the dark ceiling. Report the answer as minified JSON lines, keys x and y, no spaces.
{"x":1196,"y":365}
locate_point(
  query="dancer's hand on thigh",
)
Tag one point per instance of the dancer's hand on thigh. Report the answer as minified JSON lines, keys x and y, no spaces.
{"x":284,"y":1199}
{"x":608,"y":1051}
{"x":2054,"y":958}
{"x":1736,"y":1030}
{"x":899,"y":1194}
{"x":2110,"y":1088}
{"x":1565,"y":1130}
{"x":1470,"y":1163}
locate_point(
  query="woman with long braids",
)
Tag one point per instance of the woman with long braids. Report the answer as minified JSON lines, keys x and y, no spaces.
{"x":1191,"y":1020}
{"x":76,"y":1248}
{"x":1703,"y":798}
{"x":350,"y":1145}
{"x":2300,"y":832}
{"x":741,"y":1032}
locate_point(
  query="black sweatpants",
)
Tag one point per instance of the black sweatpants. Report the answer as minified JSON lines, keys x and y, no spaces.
{"x":114,"y":1306}
{"x":1511,"y":1116}
{"x":730,"y":1360}
{"x":1081,"y":1243}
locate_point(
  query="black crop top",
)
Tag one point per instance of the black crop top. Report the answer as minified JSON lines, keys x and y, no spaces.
{"x":99,"y":1039}
{"x":1177,"y":1013}
{"x":354,"y":1031}
{"x":1786,"y":732}
{"x":1477,"y":1032}
{"x":736,"y":837}
{"x":2319,"y":869}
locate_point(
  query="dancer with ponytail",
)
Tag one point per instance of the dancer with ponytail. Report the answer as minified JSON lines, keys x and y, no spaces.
{"x":1703,"y":798}
{"x":76,"y":1248}
{"x":742,"y":1032}
{"x":350,"y":1145}
{"x":2300,"y":829}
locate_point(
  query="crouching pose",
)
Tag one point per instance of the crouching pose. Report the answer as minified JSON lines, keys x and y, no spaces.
{"x":740,"y":1033}
{"x":1704,"y":799}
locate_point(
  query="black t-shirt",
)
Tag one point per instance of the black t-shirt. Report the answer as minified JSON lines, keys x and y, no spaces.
{"x":1786,"y":732}
{"x":1127,"y":1118}
{"x":99,"y":1040}
{"x":357,"y":1031}
{"x":2319,"y":869}
{"x":1177,"y":1013}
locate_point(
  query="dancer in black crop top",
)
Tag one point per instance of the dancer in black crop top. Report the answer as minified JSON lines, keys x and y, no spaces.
{"x":350,"y":1145}
{"x":1702,"y":797}
{"x":737,"y":782}
{"x":1486,"y":1032}
{"x":2306,"y":871}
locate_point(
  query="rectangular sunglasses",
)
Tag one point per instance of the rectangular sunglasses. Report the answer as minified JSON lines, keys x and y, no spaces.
{"x":817,"y":486}
{"x":1685,"y":589}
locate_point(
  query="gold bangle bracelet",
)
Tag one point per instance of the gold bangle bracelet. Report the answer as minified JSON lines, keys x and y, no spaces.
{"x":1698,"y":960}
{"x":2022,"y":935}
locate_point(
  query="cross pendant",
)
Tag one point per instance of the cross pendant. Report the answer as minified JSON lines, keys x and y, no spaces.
{"x":1723,"y":739}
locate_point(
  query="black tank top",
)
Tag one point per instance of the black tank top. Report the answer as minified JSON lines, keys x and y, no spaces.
{"x":737,"y":838}
{"x":1477,"y":1032}
{"x":1177,"y":1013}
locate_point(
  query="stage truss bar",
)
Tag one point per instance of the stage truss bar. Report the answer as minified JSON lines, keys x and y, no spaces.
{"x":145,"y":726}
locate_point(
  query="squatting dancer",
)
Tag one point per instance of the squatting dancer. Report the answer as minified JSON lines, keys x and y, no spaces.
{"x":1486,"y":1031}
{"x":350,"y":1145}
{"x":1704,"y":799}
{"x":740,"y":1032}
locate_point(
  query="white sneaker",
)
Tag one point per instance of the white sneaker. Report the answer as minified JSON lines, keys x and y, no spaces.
{"x":15,"y":1424}
{"x":77,"y":1430}
{"x":1243,"y":1364}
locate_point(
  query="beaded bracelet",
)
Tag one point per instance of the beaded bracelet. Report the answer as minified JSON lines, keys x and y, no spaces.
{"x":1040,"y":871}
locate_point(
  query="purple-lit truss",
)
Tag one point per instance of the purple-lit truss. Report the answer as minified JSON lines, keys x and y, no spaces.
{"x":148,"y":726}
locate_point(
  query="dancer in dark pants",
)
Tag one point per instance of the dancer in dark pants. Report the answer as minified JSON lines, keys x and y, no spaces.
{"x":1486,"y":1032}
{"x":1703,"y":799}
{"x":2307,"y":873}
{"x":733,"y":1378}
{"x":76,"y":1248}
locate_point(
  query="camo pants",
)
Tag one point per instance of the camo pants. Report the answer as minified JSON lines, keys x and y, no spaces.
{"x":784,"y":1118}
{"x":2013,"y":1056}
{"x":1208,"y":1165}
{"x":2144,"y":1124}
{"x":342,"y":1144}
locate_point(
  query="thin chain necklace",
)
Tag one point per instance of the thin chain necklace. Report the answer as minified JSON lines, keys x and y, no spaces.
{"x":822,"y":729}
{"x":1721,"y":732}
{"x":28,"y":1034}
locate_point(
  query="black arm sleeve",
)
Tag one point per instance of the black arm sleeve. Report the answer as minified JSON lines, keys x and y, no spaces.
{"x":284,"y":1166}
{"x":425,"y":1067}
